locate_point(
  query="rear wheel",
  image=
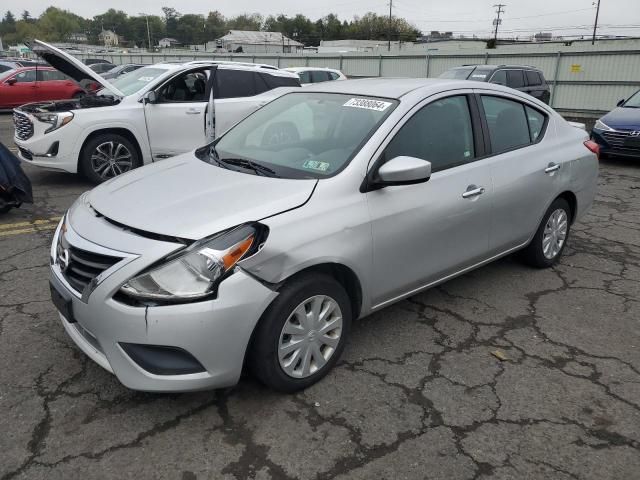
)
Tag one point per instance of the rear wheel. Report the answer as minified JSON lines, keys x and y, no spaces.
{"x":302,"y":334}
{"x":551,"y":237}
{"x":108,"y":155}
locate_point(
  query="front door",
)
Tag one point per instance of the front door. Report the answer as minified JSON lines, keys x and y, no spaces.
{"x":425,"y":232}
{"x":176,"y":122}
{"x":24,"y":90}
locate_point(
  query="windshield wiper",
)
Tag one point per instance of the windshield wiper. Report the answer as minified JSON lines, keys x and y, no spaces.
{"x":250,"y":165}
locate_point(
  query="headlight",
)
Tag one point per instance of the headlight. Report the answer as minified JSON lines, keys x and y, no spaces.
{"x":56,"y":120}
{"x":195,"y":272}
{"x":600,"y":125}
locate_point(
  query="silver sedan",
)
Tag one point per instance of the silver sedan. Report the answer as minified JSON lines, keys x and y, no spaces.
{"x":324,"y":206}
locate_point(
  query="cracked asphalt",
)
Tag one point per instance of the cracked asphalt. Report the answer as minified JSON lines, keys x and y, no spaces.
{"x":418,"y":393}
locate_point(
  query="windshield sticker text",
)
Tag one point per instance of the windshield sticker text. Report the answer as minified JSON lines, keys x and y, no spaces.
{"x":145,"y":79}
{"x":368,"y":104}
{"x":315,"y":165}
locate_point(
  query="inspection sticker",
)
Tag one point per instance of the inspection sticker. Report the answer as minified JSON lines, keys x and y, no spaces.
{"x":315,"y":165}
{"x":368,"y":104}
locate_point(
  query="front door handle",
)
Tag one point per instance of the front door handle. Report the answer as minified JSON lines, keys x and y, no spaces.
{"x":473,"y":191}
{"x":552,"y":167}
{"x":193,"y":111}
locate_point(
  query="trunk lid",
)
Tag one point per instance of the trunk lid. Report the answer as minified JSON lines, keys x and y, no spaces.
{"x":188,"y":198}
{"x":70,"y":66}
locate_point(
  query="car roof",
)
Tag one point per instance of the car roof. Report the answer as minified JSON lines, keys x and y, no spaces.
{"x":254,"y":67}
{"x":305,"y":69}
{"x":396,"y":88}
{"x":495,"y":67}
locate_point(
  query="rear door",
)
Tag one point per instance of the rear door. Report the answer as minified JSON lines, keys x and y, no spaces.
{"x":536,"y":85}
{"x":176,"y":122}
{"x":525,"y":172}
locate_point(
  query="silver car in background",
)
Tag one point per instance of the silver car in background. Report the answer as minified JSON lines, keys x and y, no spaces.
{"x":324,"y":206}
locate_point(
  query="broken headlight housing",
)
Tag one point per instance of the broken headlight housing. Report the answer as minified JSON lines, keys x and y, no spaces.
{"x":195,"y":272}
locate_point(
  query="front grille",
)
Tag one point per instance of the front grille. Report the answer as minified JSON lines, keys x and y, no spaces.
{"x":24,"y":126}
{"x":621,"y":140}
{"x":80,"y":267}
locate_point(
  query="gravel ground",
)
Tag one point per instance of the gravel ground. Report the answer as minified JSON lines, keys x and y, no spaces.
{"x":418,"y":393}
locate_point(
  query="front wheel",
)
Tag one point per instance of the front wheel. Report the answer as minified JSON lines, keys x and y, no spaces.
{"x":108,"y":155}
{"x":551,"y":237}
{"x":302,"y":334}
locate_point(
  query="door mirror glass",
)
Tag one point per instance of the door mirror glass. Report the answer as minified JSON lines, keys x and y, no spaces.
{"x":404,"y":171}
{"x":11,"y":81}
{"x":620,"y":102}
{"x":150,"y":97}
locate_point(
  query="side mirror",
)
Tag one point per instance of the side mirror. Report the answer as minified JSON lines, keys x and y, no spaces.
{"x":621,"y":102}
{"x":403,"y":171}
{"x":11,"y":81}
{"x":150,"y":97}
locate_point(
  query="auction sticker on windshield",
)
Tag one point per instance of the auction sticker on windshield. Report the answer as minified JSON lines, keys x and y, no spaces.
{"x":315,"y":165}
{"x":145,"y":79}
{"x":368,"y":104}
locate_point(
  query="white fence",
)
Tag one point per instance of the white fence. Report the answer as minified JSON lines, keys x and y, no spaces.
{"x":584,"y":84}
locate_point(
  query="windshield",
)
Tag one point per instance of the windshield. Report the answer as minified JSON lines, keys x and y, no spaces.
{"x":634,"y":101}
{"x":301,"y":135}
{"x":458,"y":73}
{"x":132,"y":82}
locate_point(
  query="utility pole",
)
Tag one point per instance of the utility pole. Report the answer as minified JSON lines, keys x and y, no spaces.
{"x":595,"y":25}
{"x":497,"y":21}
{"x":148,"y":31}
{"x":389,"y":29}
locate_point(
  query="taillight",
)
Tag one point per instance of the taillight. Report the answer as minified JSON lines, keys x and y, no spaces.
{"x":593,"y":146}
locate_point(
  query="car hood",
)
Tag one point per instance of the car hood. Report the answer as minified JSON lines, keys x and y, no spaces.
{"x":70,"y":66}
{"x":623,"y":118}
{"x":188,"y":198}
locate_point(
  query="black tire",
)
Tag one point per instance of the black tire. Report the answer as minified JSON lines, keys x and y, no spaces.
{"x":263,"y":358}
{"x":107,"y":142}
{"x":534,"y":253}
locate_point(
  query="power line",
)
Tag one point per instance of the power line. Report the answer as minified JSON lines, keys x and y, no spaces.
{"x":497,"y":21}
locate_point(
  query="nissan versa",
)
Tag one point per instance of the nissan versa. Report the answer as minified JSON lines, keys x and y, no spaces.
{"x":325,"y":205}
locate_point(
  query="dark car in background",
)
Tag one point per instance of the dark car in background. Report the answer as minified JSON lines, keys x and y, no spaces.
{"x":101,"y":68}
{"x":524,"y":78}
{"x":115,"y":72}
{"x":618,"y":132}
{"x":7,"y":64}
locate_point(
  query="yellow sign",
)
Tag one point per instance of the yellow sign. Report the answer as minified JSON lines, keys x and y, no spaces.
{"x":576,"y":68}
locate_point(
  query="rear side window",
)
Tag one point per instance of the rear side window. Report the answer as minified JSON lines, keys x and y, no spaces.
{"x":500,"y":77}
{"x":536,"y":123}
{"x":274,"y":81}
{"x":235,"y":83}
{"x":533,"y":78}
{"x":515,"y":78}
{"x":318,"y":76}
{"x":334,"y":75}
{"x":508,"y":126}
{"x":441,"y":133}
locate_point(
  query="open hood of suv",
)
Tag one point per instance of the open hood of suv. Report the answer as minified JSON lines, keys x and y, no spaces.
{"x":188,"y":198}
{"x":70,"y":66}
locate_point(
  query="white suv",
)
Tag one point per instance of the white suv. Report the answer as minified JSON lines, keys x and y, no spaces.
{"x":152,"y":113}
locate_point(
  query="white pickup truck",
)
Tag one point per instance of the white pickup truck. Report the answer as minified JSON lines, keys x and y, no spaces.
{"x":152,"y":113}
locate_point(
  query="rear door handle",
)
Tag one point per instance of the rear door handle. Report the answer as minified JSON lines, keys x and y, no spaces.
{"x":193,"y":111}
{"x":552,"y":167}
{"x":473,"y":191}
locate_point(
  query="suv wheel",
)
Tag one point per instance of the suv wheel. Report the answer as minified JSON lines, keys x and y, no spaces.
{"x":551,"y":237}
{"x":302,"y":334}
{"x":107,"y":156}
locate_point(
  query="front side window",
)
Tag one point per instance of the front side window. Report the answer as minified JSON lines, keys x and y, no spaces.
{"x":303,"y":135}
{"x":515,"y":78}
{"x":305,"y":77}
{"x":188,"y":87}
{"x":500,"y":78}
{"x":441,"y":133}
{"x":26,"y":76}
{"x":508,"y":126}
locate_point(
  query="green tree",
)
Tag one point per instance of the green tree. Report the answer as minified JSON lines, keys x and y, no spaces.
{"x":171,"y":16}
{"x":191,"y":29}
{"x":216,"y":26}
{"x":56,"y":24}
{"x":245,"y":21}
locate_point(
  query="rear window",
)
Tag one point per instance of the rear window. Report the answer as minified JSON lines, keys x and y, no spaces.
{"x":235,"y":83}
{"x":458,"y":73}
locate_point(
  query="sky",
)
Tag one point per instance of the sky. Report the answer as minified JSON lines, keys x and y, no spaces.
{"x":467,"y":17}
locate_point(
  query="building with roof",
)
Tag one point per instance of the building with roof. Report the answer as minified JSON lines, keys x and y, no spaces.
{"x":245,"y":41}
{"x":108,"y":38}
{"x":168,"y":42}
